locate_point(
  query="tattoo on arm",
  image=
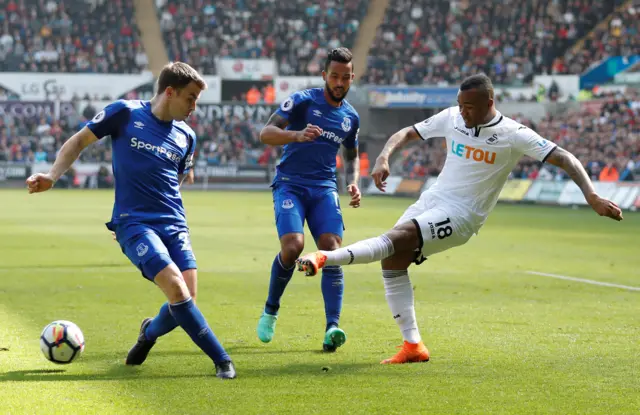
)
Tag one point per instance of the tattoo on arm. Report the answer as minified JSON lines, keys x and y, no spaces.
{"x":278,"y":121}
{"x":352,"y":165}
{"x":568,"y":162}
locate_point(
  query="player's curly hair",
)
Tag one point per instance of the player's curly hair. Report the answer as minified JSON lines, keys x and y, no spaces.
{"x":480,"y":81}
{"x":178,"y":75}
{"x":342,"y":55}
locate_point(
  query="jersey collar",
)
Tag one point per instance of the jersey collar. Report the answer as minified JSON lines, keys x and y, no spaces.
{"x":494,"y":121}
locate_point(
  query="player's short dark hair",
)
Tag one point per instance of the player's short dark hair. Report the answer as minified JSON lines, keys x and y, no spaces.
{"x":480,"y":81}
{"x":178,"y":75}
{"x":342,"y":55}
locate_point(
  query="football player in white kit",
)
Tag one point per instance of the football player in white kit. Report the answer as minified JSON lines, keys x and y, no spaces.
{"x":483,"y":147}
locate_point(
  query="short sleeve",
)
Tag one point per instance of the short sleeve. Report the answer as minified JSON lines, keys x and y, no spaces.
{"x":352,"y":139}
{"x":187,"y":161}
{"x":434,"y":126}
{"x":528,"y":142}
{"x":109,"y":120}
{"x":292,"y":106}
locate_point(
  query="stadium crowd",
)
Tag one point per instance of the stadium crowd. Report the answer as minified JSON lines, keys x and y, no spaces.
{"x":70,"y":36}
{"x":231,"y":141}
{"x":296,"y":34}
{"x":605,"y":137}
{"x":619,"y":37}
{"x":441,"y":42}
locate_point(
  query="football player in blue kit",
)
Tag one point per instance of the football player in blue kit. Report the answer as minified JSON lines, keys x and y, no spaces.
{"x":311,"y":125}
{"x":152,"y":154}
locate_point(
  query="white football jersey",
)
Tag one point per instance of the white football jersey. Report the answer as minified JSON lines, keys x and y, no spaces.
{"x":478,"y":162}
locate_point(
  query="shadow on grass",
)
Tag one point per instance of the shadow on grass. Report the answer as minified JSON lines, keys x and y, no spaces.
{"x":73,"y":266}
{"x":119,"y":371}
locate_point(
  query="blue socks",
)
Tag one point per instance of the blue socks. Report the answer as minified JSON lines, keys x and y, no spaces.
{"x":332,"y":290}
{"x":280,"y":277}
{"x":162,"y":324}
{"x":189,"y":317}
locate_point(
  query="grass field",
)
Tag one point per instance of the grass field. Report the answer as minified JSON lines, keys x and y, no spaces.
{"x":502,"y":340}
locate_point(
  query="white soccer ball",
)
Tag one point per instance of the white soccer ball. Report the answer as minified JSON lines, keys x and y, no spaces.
{"x":62,"y":342}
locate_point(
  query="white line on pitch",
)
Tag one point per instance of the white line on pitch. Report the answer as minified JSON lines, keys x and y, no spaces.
{"x":603,"y":284}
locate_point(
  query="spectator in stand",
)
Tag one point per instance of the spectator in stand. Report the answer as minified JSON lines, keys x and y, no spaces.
{"x":69,"y":36}
{"x":296,"y":34}
{"x":620,"y":37}
{"x":439,"y":42}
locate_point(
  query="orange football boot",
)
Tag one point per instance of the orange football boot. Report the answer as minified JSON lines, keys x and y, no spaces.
{"x":409,"y":353}
{"x":310,"y":264}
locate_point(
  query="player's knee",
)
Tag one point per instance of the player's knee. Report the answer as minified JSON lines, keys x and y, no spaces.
{"x":190,"y":278}
{"x":329,"y":242}
{"x":405,"y":237}
{"x":172,"y":284}
{"x":290,"y":253}
{"x":291,"y":247}
{"x":399,"y":261}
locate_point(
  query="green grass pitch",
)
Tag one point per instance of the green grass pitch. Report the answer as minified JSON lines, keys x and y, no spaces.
{"x":502,"y":340}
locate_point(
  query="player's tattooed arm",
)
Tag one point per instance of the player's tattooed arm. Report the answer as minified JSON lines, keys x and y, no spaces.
{"x":568,"y":162}
{"x":274,"y":133}
{"x":352,"y":165}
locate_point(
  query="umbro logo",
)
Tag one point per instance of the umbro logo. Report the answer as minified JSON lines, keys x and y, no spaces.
{"x":138,"y":124}
{"x":317,"y":113}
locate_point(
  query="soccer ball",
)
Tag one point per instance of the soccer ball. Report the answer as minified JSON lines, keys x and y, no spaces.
{"x":62,"y":342}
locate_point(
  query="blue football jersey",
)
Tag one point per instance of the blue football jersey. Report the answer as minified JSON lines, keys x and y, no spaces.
{"x":148,"y":154}
{"x":314,"y":163}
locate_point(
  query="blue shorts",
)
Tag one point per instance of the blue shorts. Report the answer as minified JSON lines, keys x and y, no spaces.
{"x":152,"y":247}
{"x":319,"y":206}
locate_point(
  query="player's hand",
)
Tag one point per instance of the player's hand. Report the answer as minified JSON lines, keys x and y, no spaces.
{"x":354,"y":191}
{"x":114,"y":236}
{"x":605,"y":207}
{"x":380,"y":173}
{"x":40,"y":183}
{"x":310,"y":133}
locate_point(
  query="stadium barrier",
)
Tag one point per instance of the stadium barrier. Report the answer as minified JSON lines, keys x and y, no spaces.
{"x":565,"y":193}
{"x":13,"y":174}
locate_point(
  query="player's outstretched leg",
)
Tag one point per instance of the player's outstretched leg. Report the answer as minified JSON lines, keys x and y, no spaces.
{"x":362,"y":252}
{"x":281,"y":272}
{"x":189,"y":317}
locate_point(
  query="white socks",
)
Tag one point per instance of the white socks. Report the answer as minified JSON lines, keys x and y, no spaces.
{"x":399,"y":294}
{"x":362,"y":252}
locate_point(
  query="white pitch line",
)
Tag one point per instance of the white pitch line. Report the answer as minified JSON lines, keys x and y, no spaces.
{"x":592,"y":282}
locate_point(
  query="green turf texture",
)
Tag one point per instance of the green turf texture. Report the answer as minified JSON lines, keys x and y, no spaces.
{"x":502,"y":341}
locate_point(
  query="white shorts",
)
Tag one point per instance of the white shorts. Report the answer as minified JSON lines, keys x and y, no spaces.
{"x":440,"y":228}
